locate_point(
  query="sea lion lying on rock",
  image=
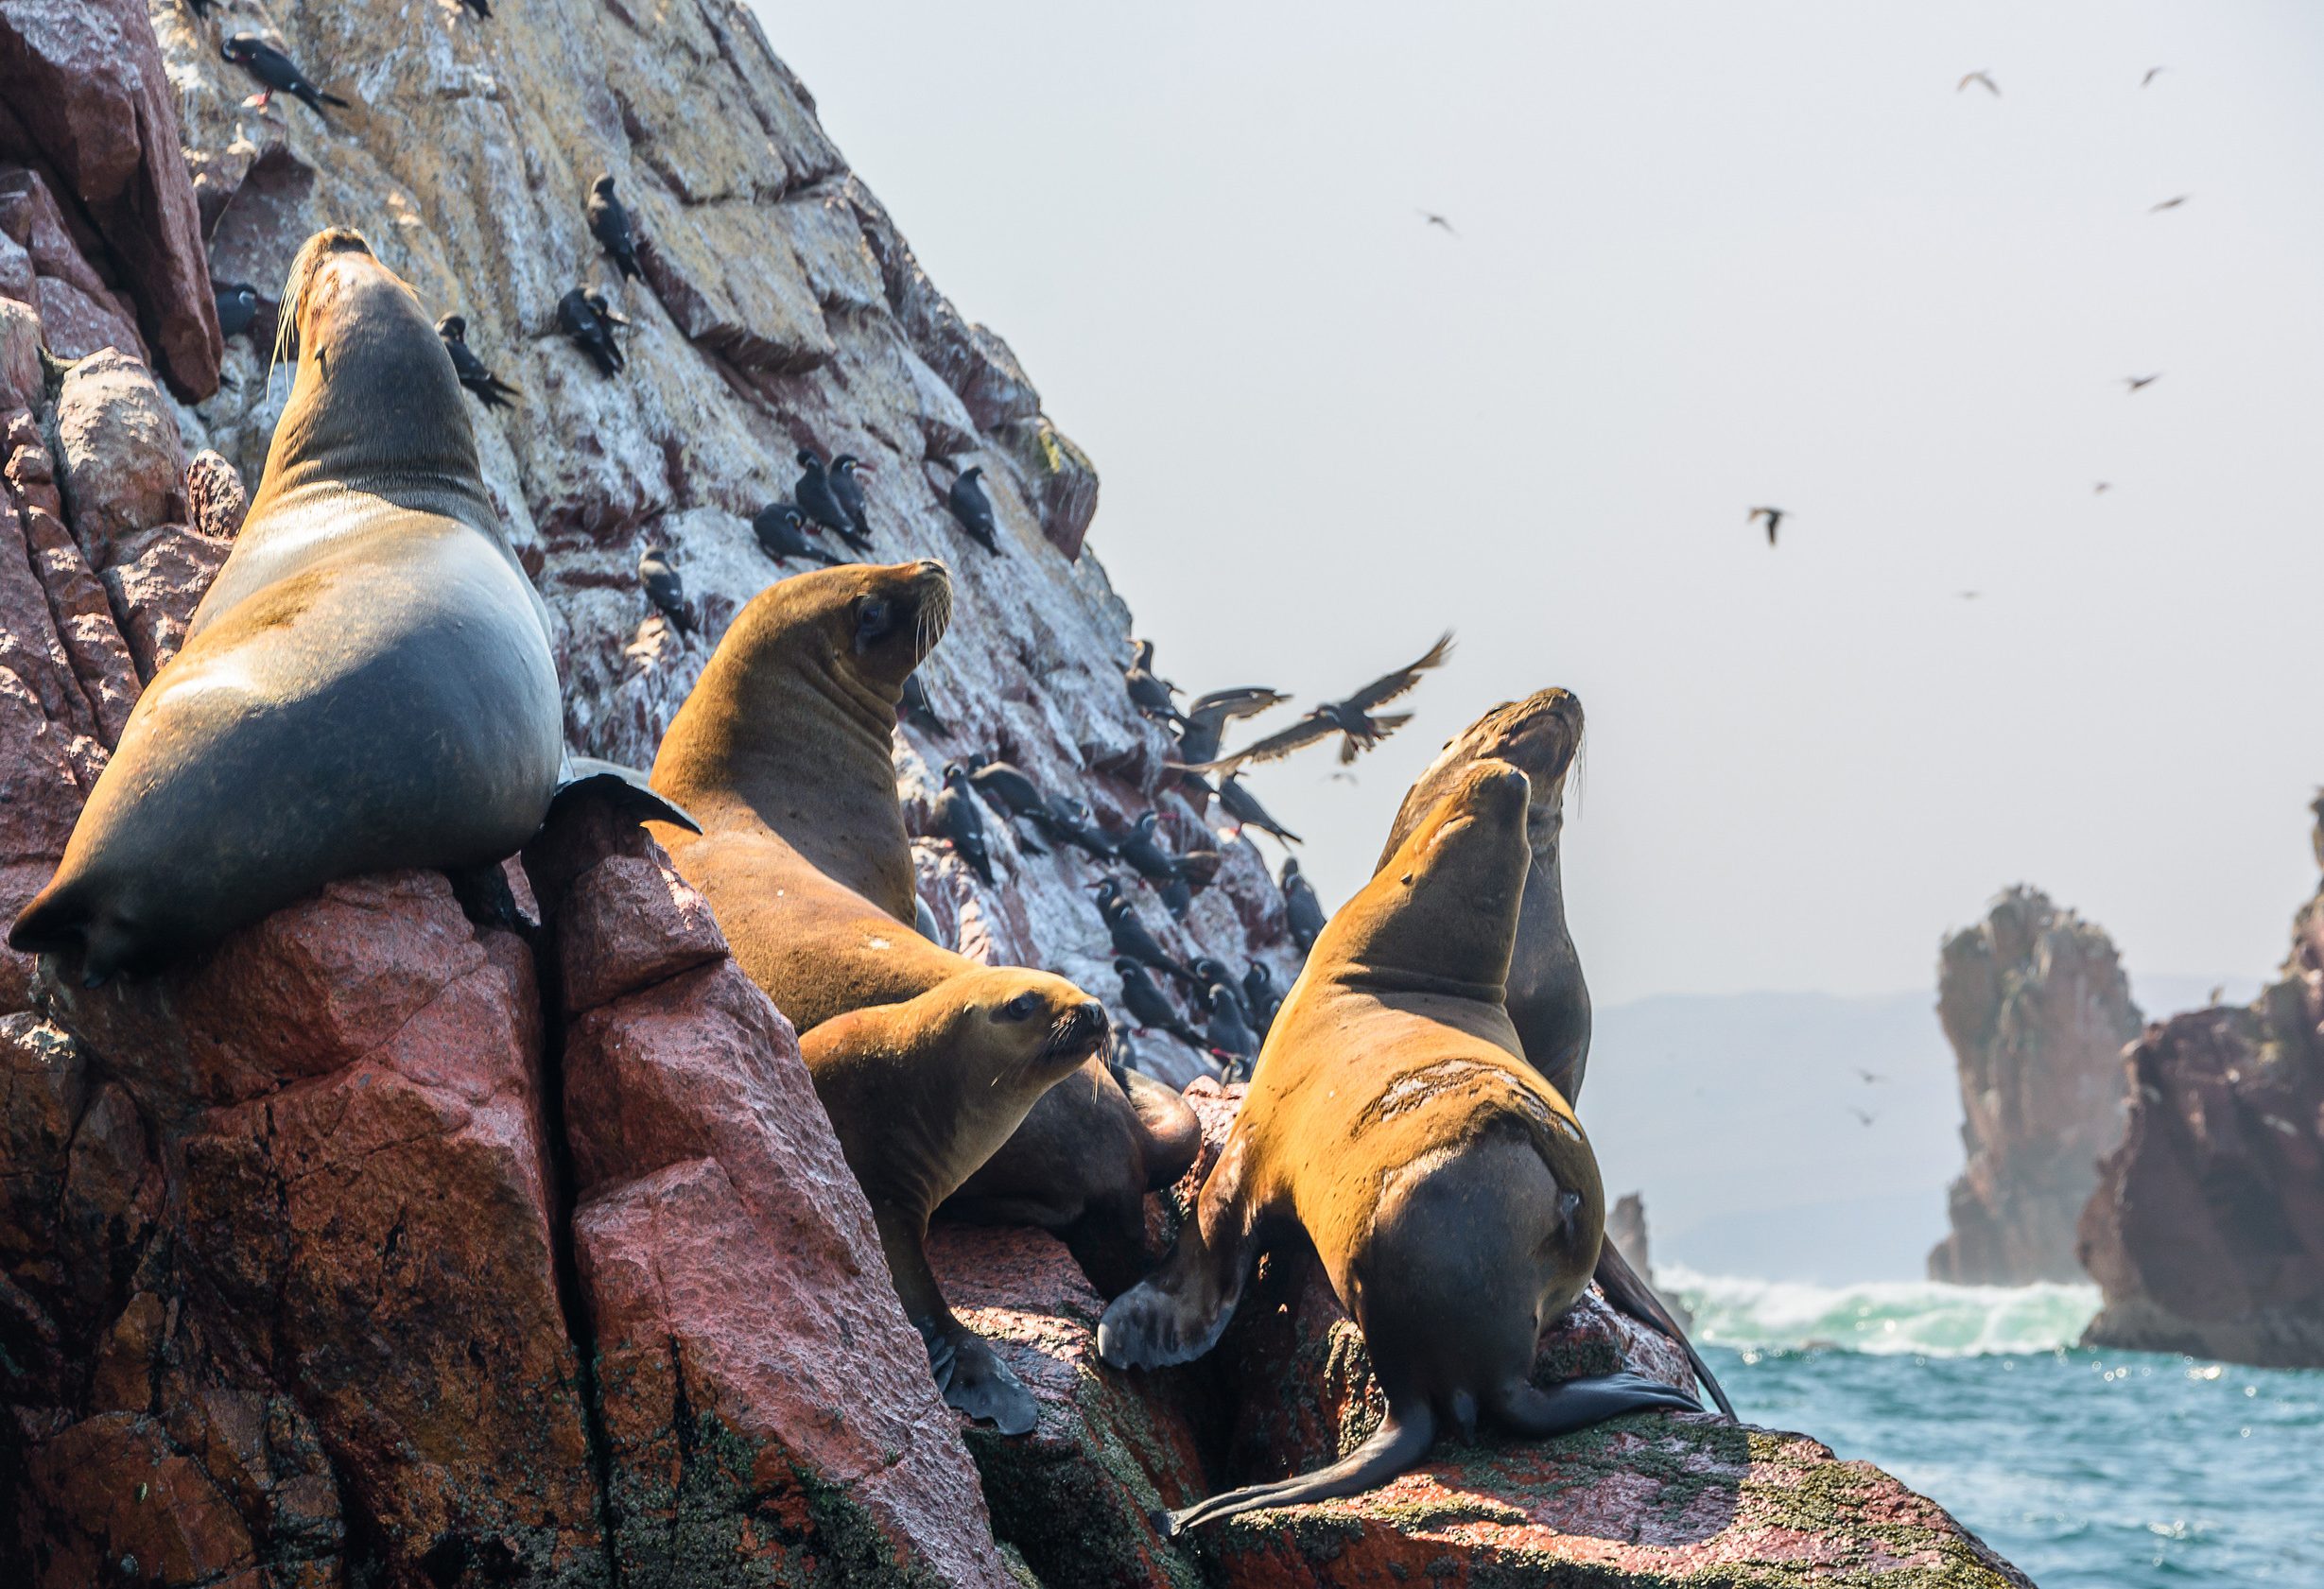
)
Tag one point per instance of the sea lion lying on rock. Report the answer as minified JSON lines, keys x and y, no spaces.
{"x":783,"y":753}
{"x":366,"y":684}
{"x":1447,"y":1190}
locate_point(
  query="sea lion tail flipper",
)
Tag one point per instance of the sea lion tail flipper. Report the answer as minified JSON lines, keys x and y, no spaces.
{"x":1169,"y":1133}
{"x":1527,"y":1410}
{"x":625,"y":786}
{"x":1403,"y":1437}
{"x":1630,"y":1294}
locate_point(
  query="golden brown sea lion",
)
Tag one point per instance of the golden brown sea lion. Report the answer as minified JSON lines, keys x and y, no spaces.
{"x":1549,"y":999}
{"x":1450,"y":1194}
{"x":783,"y":754}
{"x":922,"y":1092}
{"x":368,"y":683}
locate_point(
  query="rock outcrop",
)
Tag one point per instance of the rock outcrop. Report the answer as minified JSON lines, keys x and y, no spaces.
{"x":383,"y":1246}
{"x":1626,"y":1227}
{"x":2034,"y":1003}
{"x":2206,"y":1232}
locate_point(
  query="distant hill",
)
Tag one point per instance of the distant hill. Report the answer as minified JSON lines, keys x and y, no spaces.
{"x":1733,"y":1113}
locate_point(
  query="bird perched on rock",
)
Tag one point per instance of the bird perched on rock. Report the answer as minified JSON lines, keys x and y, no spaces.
{"x":958,"y":819}
{"x":820,"y":503}
{"x":481,"y":8}
{"x":974,"y":508}
{"x":490,"y":389}
{"x":202,"y":8}
{"x":1228,"y":1028}
{"x":782,"y":535}
{"x":1206,"y":720}
{"x":1009,"y":791}
{"x":1773,"y":517}
{"x":1262,"y":997}
{"x":585,"y":317}
{"x":849,"y":490}
{"x":1241,"y":805}
{"x":663,"y":588}
{"x":275,"y":71}
{"x":237,"y":306}
{"x":1301,"y":908}
{"x":1151,"y":694}
{"x":1351,"y":718}
{"x":916,"y":708}
{"x":1069,"y":821}
{"x":1133,"y":938}
{"x":1150,"y":1007}
{"x":1142,"y":847}
{"x":609,"y":223}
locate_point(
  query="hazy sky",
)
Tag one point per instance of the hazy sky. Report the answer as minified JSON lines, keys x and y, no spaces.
{"x":1709,"y":256}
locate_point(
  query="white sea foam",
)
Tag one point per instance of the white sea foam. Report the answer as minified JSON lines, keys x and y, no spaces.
{"x":1884,"y":1316}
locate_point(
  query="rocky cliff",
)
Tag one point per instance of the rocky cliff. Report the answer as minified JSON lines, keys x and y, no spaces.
{"x":2206,"y":1231}
{"x":383,"y":1247}
{"x":2034,"y":1003}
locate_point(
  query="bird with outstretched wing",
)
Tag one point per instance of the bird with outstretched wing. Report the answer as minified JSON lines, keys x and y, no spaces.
{"x":1351,"y":718}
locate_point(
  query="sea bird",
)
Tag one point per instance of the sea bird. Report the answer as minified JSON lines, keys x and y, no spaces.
{"x":276,"y":71}
{"x":665,"y":588}
{"x":609,"y":223}
{"x":1773,"y":517}
{"x":1986,"y":78}
{"x":1351,"y":717}
{"x":491,"y":390}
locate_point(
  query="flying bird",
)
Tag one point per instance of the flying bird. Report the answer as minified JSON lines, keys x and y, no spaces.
{"x":2169,"y":203}
{"x":1870,"y":1075}
{"x":1351,"y":717}
{"x":1861,"y":1116}
{"x":1432,"y":218}
{"x":276,"y":72}
{"x":1206,"y":718}
{"x":2152,"y":73}
{"x":2135,"y":382}
{"x":665,"y":588}
{"x":609,"y":223}
{"x":1966,"y":595}
{"x":2102,"y":487}
{"x":1985,"y":78}
{"x":491,"y":390}
{"x":1773,"y":517}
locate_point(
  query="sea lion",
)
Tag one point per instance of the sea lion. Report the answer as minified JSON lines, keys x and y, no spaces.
{"x":1548,"y":999}
{"x":782,"y":751}
{"x":368,"y":683}
{"x":1448,"y":1192}
{"x":921,"y":1094}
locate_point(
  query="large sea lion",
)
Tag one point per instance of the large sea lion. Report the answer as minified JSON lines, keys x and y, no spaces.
{"x":368,"y":683}
{"x":783,"y":753}
{"x":1447,"y":1190}
{"x":1549,"y":999}
{"x":922,"y":1092}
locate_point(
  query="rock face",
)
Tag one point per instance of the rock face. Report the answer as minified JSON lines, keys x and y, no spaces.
{"x":2036,"y":1008}
{"x":2206,"y":1232}
{"x":1626,"y":1227}
{"x":381,"y":1247}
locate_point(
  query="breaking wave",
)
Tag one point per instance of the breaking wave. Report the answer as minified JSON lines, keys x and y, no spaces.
{"x":1888,"y":1318}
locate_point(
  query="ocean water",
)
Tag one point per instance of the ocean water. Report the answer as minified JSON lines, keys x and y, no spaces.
{"x":2088,"y":1469}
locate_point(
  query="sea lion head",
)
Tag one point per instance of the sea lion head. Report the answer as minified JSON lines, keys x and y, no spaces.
{"x":1540,"y":736}
{"x":858,"y":630}
{"x":1443,"y":911}
{"x":1021,"y":1031}
{"x":375,"y":397}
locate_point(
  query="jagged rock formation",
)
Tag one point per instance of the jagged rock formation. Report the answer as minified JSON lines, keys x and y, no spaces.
{"x":1626,"y":1227}
{"x":2036,"y":1006}
{"x":380,"y":1247}
{"x":2206,"y":1232}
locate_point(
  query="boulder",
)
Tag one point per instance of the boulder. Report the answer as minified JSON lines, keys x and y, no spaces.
{"x":119,"y":462}
{"x":79,"y":314}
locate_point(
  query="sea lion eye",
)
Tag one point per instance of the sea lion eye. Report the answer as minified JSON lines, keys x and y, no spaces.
{"x":1020,"y":1008}
{"x":870,"y":618}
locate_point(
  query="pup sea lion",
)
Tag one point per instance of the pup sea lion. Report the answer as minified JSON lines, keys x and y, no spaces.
{"x":783,"y":753}
{"x":368,"y":683}
{"x":922,"y":1092}
{"x":1549,"y":999}
{"x":1450,"y":1194}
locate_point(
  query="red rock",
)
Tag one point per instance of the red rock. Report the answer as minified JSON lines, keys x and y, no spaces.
{"x":78,"y":314}
{"x":214,"y":498}
{"x":119,"y":462}
{"x":96,"y":105}
{"x":156,"y":581}
{"x":112,"y":1502}
{"x":20,"y":341}
{"x":631,"y":923}
{"x":2036,"y":1008}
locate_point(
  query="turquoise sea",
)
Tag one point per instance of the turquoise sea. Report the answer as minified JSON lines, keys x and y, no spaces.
{"x":2089,"y":1469}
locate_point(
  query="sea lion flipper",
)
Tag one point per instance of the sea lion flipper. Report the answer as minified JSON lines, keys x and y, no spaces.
{"x":1629,"y":1294}
{"x":627,"y":788}
{"x":974,"y":1379}
{"x":1402,"y":1439}
{"x":1536,"y":1413}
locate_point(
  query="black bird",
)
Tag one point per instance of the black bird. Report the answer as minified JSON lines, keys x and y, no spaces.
{"x":1143,"y":849}
{"x":2135,"y":382}
{"x":1241,"y":805}
{"x":782,"y":535}
{"x":1068,"y":822}
{"x":489,"y":387}
{"x":664,"y":587}
{"x":276,"y":71}
{"x":202,"y":8}
{"x":1351,"y":718}
{"x":584,"y":315}
{"x":958,"y":818}
{"x":1150,"y":692}
{"x":1177,"y":898}
{"x":481,"y":8}
{"x":237,"y":306}
{"x":975,"y":510}
{"x":915,"y":707}
{"x":1230,"y":1028}
{"x":1206,"y":720}
{"x":1132,"y":938}
{"x":1008,"y":790}
{"x":1262,"y":997}
{"x":1150,"y":1007}
{"x":820,"y":503}
{"x":1301,"y":908}
{"x":1773,"y":517}
{"x":850,"y":492}
{"x":609,"y":223}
